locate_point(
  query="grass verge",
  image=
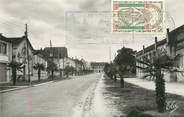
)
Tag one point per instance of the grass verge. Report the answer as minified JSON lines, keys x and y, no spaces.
{"x":135,"y":101}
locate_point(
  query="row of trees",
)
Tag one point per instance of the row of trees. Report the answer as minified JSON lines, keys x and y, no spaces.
{"x":16,"y":66}
{"x":124,"y":64}
{"x":51,"y":68}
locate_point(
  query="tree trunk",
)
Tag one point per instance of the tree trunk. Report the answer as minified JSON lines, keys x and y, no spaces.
{"x":111,"y":76}
{"x":24,"y":73}
{"x":14,"y":75}
{"x":160,"y":91}
{"x":52,"y":74}
{"x":122,"y":82}
{"x":115,"y":78}
{"x":39,"y":73}
{"x":60,"y":73}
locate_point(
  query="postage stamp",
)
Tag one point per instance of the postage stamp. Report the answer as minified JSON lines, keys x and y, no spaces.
{"x":137,"y":16}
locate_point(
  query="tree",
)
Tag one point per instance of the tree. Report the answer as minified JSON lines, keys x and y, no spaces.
{"x":110,"y":70}
{"x":39,"y":67}
{"x":51,"y":68}
{"x":155,"y":67}
{"x":68,"y":69}
{"x":125,"y":62}
{"x":107,"y":69}
{"x":14,"y":66}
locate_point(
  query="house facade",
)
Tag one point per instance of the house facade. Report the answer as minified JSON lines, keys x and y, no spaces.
{"x":5,"y":59}
{"x":69,"y":62}
{"x":23,"y":53}
{"x":58,"y":56}
{"x":78,"y":66}
{"x":98,"y":67}
{"x":39,"y":58}
{"x":173,"y":45}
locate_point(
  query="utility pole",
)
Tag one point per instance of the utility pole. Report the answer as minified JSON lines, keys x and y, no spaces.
{"x":63,"y":66}
{"x":52,"y":64}
{"x":110,"y":53}
{"x":28,"y":63}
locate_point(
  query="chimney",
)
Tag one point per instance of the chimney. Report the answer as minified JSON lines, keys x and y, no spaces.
{"x":156,"y":41}
{"x":143,"y":49}
{"x":167,"y":38}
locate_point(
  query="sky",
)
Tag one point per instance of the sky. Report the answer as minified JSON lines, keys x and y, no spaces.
{"x":83,"y":26}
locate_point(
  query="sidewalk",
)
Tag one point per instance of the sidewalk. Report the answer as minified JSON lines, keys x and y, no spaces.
{"x":6,"y":87}
{"x":171,"y":87}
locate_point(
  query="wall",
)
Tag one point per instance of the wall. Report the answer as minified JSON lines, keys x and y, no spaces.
{"x":40,"y":60}
{"x":5,"y":59}
{"x":20,"y":53}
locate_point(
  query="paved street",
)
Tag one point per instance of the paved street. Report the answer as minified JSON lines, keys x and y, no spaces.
{"x":58,"y":99}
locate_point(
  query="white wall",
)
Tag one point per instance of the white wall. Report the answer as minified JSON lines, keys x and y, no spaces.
{"x":7,"y":59}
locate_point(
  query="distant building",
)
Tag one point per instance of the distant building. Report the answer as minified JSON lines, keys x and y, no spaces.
{"x":78,"y":65}
{"x":57,"y":55}
{"x":5,"y":58}
{"x":86,"y":65}
{"x":98,"y":66}
{"x":173,"y":45}
{"x":39,"y":57}
{"x":69,"y":62}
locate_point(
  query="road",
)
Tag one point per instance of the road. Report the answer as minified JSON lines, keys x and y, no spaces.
{"x":58,"y":99}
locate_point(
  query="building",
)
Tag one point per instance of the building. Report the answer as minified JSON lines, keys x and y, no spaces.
{"x":58,"y":56}
{"x":69,"y":62}
{"x":86,"y":65}
{"x":98,"y":66}
{"x":78,"y":66}
{"x":5,"y":59}
{"x":23,"y":53}
{"x":39,"y":57}
{"x":173,"y":45}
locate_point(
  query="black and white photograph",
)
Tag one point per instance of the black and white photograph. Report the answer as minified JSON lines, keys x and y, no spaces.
{"x":91,"y":58}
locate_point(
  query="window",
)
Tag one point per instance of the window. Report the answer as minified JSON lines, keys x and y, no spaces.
{"x":180,"y":64}
{"x":3,"y":47}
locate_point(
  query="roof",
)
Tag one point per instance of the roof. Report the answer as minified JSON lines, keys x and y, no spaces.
{"x":98,"y":63}
{"x":40,"y":53}
{"x":78,"y":61}
{"x":58,"y":52}
{"x":18,"y":40}
{"x":172,"y":35}
{"x":3,"y":38}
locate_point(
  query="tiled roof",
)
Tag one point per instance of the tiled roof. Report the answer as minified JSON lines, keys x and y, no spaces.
{"x":58,"y":52}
